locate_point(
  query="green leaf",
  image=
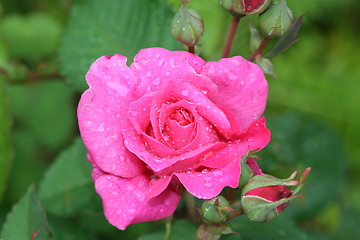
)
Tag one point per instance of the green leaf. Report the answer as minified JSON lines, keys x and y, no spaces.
{"x":255,"y":38}
{"x":68,"y":229}
{"x":25,"y":218}
{"x":67,"y":187}
{"x":299,"y":142}
{"x":6,"y":150}
{"x":265,"y":65}
{"x":280,"y":228}
{"x":99,"y":28}
{"x":31,"y":37}
{"x":49,"y":116}
{"x":180,"y":230}
{"x":286,"y":40}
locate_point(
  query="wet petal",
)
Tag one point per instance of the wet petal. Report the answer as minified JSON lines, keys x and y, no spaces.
{"x":101,"y":112}
{"x":242,"y":87}
{"x":156,"y":66}
{"x":127,"y":201}
{"x":209,"y":183}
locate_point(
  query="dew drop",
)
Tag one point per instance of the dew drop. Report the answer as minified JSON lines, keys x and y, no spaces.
{"x":208,"y":185}
{"x":184,"y":92}
{"x":133,"y":113}
{"x":156,"y":81}
{"x":167,"y":73}
{"x":161,"y":62}
{"x":148,"y":74}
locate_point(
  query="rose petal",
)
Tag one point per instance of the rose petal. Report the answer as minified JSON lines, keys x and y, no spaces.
{"x":101,"y":112}
{"x":127,"y":201}
{"x":156,"y":66}
{"x":208,"y":184}
{"x":242,"y":87}
{"x":255,"y":137}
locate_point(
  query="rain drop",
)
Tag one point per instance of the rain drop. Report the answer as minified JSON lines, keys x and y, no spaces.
{"x":156,"y":81}
{"x":148,"y":74}
{"x":185,"y":92}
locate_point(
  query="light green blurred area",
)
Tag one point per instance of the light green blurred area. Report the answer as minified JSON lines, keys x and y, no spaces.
{"x":317,"y":86}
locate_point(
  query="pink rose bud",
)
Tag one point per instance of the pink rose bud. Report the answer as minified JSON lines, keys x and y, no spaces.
{"x":216,"y":210}
{"x":265,"y":196}
{"x":245,"y":7}
{"x":187,"y":26}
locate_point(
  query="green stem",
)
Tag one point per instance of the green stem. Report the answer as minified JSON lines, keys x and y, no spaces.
{"x":191,"y":207}
{"x":259,"y":50}
{"x":168,"y":228}
{"x":231,"y":34}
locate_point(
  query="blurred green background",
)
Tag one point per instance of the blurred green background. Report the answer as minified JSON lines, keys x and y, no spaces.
{"x":46,"y":47}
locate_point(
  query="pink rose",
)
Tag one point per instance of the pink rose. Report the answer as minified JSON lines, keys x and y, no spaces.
{"x":170,"y":119}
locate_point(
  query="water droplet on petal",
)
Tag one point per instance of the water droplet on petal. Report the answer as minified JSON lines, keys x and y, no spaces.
{"x":167,"y":73}
{"x":208,"y":185}
{"x":161,"y":62}
{"x":148,"y":74}
{"x":156,"y":81}
{"x":184,"y":92}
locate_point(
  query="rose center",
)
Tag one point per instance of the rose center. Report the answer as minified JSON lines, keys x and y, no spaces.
{"x":182,"y":116}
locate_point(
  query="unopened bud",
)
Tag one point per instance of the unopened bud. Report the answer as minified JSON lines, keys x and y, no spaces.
{"x":187,"y":26}
{"x":216,"y":210}
{"x":245,"y":7}
{"x":265,"y":196}
{"x":276,"y":20}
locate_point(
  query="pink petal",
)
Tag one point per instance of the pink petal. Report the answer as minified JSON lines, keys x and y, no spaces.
{"x":255,"y":137}
{"x":208,"y":184}
{"x":242,"y":87}
{"x":156,"y":66}
{"x":101,"y":112}
{"x":127,"y":201}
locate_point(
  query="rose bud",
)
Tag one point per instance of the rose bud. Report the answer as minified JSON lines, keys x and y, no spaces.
{"x":216,"y":210}
{"x":245,"y":7}
{"x":187,"y":26}
{"x":276,"y":20}
{"x":265,"y":196}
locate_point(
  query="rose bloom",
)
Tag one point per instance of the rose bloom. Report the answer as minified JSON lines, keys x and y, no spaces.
{"x":169,"y":120}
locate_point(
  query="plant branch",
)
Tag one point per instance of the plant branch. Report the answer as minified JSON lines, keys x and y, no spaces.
{"x":231,"y":34}
{"x":259,"y":50}
{"x":191,"y":49}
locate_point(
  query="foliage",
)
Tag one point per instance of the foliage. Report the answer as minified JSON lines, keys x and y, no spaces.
{"x":45,"y":179}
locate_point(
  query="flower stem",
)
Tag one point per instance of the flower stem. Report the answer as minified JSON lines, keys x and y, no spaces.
{"x":231,"y":34}
{"x":168,"y":228}
{"x":191,"y":207}
{"x":259,"y":50}
{"x":191,"y":49}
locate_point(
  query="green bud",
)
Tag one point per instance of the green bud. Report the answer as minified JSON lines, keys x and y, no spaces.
{"x":276,"y":20}
{"x":187,"y":26}
{"x":245,"y":7}
{"x":216,"y":210}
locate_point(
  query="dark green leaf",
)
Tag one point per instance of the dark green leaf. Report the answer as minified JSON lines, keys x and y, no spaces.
{"x":49,"y":116}
{"x":180,"y":230}
{"x":68,"y":229}
{"x":6,"y":150}
{"x":30,"y":37}
{"x":25,"y":218}
{"x":299,"y":142}
{"x":67,"y":186}
{"x":286,"y":40}
{"x":99,"y":28}
{"x":280,"y":228}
